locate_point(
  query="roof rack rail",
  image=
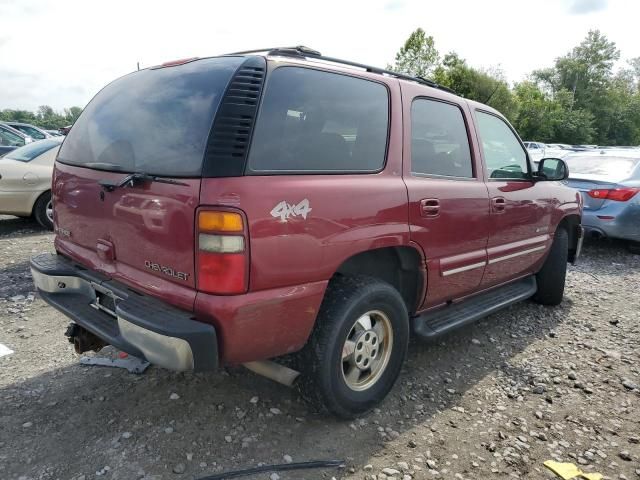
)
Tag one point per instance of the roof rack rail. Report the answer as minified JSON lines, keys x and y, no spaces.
{"x":306,"y":52}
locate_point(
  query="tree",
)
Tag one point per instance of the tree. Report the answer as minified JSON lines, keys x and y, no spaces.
{"x":45,"y":117}
{"x":418,"y":56}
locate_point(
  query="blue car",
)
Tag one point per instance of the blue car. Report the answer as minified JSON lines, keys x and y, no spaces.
{"x":609,"y":181}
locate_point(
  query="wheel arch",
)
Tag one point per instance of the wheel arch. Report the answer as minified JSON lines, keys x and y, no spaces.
{"x":400,"y":266}
{"x":34,"y":199}
{"x":571,"y":223}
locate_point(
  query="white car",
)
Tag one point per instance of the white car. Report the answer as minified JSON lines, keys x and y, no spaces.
{"x":25,"y":181}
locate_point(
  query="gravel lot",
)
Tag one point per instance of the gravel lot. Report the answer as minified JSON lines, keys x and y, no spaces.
{"x":493,"y":401}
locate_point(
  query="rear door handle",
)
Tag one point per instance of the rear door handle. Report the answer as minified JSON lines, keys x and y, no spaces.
{"x":430,"y":207}
{"x":499,"y":204}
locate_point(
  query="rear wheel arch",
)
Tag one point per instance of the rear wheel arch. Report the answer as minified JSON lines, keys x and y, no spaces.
{"x":570,"y":224}
{"x":399,"y":266}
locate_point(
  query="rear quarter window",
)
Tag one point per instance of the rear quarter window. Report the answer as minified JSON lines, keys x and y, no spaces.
{"x":312,"y":121}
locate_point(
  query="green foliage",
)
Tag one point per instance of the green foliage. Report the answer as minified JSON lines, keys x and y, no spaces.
{"x":578,"y":100}
{"x":418,"y":57}
{"x":44,"y":117}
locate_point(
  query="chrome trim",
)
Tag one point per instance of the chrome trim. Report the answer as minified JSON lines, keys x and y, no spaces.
{"x":62,"y":284}
{"x":517,"y":254}
{"x":169,"y":352}
{"x":466,"y":268}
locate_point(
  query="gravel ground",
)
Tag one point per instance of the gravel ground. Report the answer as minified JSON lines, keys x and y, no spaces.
{"x":492,"y":401}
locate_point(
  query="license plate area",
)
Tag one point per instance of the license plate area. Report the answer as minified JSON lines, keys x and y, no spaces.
{"x":105,"y":300}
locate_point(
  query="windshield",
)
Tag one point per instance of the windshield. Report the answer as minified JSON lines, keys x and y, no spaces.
{"x":10,"y":139}
{"x":32,"y":150}
{"x":155,"y":121}
{"x":606,"y":168}
{"x":31,"y":131}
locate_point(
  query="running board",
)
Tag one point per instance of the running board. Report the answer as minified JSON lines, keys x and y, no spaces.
{"x":443,"y":320}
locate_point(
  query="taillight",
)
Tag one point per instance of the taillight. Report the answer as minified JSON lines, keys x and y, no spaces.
{"x":222,"y":252}
{"x":616,"y":194}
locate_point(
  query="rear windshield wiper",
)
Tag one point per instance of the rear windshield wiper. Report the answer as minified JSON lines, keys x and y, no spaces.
{"x":134,"y":179}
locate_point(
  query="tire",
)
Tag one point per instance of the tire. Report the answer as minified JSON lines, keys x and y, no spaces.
{"x":552,"y":275}
{"x":346,"y":384}
{"x":40,"y":211}
{"x":634,"y":248}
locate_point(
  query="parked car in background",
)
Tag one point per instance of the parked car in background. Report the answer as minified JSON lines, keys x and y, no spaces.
{"x":10,"y":139}
{"x":31,"y":130}
{"x":536,"y":151}
{"x":54,"y":133}
{"x":609,"y":181}
{"x":25,"y":181}
{"x":65,"y":130}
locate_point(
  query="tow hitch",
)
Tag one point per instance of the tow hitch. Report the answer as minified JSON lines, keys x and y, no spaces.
{"x":83,"y":340}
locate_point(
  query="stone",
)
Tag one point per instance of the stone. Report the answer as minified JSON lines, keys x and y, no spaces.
{"x":174,"y":396}
{"x":625,"y":455}
{"x":180,"y":468}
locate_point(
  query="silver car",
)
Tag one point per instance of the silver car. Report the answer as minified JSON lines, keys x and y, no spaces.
{"x":609,"y":181}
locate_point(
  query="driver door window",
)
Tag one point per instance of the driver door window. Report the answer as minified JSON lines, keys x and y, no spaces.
{"x":503,"y":154}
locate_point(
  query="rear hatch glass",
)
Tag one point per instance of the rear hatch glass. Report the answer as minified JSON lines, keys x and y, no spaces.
{"x":155,"y":121}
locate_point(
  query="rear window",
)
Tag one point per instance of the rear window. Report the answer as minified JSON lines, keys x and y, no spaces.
{"x":314,"y":121}
{"x":152,"y":121}
{"x":610,"y":169}
{"x":32,"y":150}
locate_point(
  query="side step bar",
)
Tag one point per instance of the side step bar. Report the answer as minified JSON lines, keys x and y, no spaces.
{"x":438,"y":322}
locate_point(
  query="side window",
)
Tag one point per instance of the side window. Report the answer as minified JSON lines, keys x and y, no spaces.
{"x":504,"y":156}
{"x":314,"y":121}
{"x":439,"y":141}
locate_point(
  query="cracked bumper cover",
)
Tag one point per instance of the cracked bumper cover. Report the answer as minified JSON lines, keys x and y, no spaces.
{"x":138,"y":324}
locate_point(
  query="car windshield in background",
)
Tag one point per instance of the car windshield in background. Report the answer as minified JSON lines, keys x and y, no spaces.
{"x":155,"y":121}
{"x":32,"y":150}
{"x":605,"y":168}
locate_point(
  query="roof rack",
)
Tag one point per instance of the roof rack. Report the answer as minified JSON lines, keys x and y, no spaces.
{"x":306,"y":52}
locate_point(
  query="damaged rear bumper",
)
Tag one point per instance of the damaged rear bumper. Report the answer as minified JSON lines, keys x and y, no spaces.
{"x":136,"y":323}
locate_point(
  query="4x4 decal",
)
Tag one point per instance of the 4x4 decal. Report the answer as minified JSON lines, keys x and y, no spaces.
{"x":284,"y":210}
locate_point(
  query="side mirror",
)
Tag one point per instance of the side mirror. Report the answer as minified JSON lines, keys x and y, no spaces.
{"x":552,"y":170}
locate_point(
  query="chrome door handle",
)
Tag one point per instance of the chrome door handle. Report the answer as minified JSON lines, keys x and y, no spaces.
{"x":499,"y":204}
{"x":430,"y":207}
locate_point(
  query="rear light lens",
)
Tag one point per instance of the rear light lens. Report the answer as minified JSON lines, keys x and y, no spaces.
{"x":222,"y":253}
{"x":220,"y":222}
{"x":616,"y":194}
{"x":221,"y":243}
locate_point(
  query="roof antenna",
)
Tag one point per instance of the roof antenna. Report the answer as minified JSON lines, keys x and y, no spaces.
{"x":138,"y":66}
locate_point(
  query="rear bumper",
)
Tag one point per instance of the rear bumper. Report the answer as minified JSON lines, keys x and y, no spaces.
{"x":620,"y":221}
{"x":135,"y":323}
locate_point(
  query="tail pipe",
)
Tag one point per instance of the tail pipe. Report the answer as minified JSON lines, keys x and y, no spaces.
{"x":274,"y":371}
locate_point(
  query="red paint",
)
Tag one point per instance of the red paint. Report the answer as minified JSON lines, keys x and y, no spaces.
{"x":452,"y":224}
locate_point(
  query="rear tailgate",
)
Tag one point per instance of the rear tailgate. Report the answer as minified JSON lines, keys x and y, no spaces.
{"x":157,"y":122}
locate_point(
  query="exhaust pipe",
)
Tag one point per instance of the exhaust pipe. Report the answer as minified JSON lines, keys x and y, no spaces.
{"x":274,"y":371}
{"x":83,"y":340}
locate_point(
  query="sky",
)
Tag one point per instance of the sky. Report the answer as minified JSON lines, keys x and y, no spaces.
{"x":60,"y":53}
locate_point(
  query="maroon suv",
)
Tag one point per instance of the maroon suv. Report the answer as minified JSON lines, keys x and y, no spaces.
{"x":234,"y":209}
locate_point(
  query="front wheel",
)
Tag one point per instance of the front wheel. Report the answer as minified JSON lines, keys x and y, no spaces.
{"x":552,"y":275}
{"x":356,"y":351}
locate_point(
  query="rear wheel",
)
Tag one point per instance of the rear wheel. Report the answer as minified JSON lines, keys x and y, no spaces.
{"x":552,"y":275}
{"x":355,"y":353}
{"x":43,"y":211}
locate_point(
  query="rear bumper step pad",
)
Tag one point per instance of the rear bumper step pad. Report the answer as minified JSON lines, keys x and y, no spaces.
{"x":141,"y":325}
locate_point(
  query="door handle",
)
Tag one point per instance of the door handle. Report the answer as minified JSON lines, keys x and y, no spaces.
{"x":430,"y":207}
{"x":499,"y":204}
